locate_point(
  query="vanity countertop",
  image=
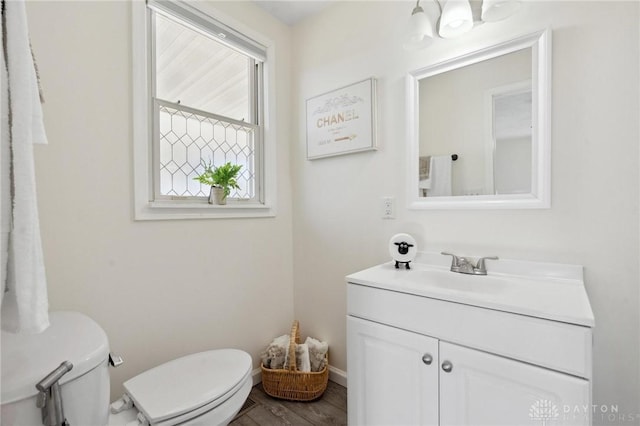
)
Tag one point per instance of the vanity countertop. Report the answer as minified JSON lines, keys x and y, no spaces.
{"x":542,"y":290}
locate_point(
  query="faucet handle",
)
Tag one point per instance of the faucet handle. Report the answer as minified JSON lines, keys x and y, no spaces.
{"x":455,"y":260}
{"x":481,"y":267}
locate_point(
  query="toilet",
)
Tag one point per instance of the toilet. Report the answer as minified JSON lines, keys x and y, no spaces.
{"x":205,"y":388}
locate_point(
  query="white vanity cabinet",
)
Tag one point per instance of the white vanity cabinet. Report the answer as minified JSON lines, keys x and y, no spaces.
{"x":431,"y":347}
{"x":486,"y":389}
{"x":393,"y":375}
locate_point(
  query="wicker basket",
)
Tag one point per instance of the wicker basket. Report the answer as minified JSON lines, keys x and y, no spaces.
{"x":291,"y":384}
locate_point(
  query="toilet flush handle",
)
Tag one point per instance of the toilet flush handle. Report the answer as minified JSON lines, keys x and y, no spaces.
{"x":115,"y":360}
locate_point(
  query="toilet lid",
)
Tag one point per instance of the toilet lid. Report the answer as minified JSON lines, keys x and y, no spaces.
{"x":188,"y":383}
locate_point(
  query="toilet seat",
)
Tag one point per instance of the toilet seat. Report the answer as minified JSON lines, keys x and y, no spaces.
{"x":187,"y":387}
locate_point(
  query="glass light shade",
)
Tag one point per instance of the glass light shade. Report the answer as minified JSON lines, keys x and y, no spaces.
{"x":456,"y":18}
{"x":497,"y":10}
{"x":419,"y":32}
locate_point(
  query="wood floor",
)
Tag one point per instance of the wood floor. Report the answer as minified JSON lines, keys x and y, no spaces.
{"x":263,"y":410}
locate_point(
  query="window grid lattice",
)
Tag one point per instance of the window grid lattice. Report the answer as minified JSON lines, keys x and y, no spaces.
{"x":189,"y":137}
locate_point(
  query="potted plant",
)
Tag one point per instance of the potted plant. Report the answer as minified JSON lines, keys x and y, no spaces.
{"x":221,"y":179}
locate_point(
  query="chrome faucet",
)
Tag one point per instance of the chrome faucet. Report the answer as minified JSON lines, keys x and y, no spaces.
{"x":465,"y":265}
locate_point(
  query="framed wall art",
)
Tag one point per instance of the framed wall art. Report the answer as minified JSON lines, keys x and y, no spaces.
{"x":342,"y":121}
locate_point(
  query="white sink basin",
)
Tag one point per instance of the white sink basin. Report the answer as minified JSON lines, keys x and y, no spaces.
{"x":453,"y":281}
{"x":550,"y":291}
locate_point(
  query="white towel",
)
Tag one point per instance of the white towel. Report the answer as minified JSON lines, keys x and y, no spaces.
{"x":302,"y":358}
{"x":5,"y":167}
{"x":317,"y":352}
{"x":24,"y":302}
{"x":440,"y":175}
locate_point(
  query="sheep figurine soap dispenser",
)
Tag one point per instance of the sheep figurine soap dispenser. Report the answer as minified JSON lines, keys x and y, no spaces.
{"x":403,"y":249}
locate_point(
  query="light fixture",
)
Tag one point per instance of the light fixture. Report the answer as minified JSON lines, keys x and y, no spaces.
{"x":456,"y":17}
{"x":419,"y":30}
{"x":497,"y":10}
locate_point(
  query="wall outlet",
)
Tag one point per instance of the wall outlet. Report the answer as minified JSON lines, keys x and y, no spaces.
{"x":388,"y":208}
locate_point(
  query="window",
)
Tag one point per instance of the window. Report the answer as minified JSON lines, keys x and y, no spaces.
{"x":198,"y":99}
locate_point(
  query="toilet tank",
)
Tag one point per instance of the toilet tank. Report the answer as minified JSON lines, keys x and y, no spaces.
{"x":28,"y":358}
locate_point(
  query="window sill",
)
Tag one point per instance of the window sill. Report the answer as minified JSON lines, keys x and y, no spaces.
{"x":176,"y":210}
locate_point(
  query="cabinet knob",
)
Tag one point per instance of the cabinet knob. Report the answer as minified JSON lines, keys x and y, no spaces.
{"x":447,"y":366}
{"x":427,"y":359}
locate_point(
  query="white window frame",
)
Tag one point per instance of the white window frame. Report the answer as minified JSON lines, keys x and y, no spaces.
{"x":145,"y":206}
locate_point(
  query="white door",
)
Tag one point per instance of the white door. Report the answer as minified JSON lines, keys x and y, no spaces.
{"x":393,"y":376}
{"x":485,"y":389}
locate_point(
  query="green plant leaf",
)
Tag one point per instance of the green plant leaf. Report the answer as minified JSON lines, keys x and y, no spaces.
{"x":225,"y":177}
{"x":207,"y":176}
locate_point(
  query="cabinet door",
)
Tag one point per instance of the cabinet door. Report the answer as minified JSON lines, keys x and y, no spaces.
{"x":393,"y":376}
{"x":485,"y":389}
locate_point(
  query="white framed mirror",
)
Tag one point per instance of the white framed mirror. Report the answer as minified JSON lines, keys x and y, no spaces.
{"x":478,"y":128}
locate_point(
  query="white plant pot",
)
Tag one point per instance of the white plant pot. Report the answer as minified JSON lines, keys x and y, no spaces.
{"x":216,"y":196}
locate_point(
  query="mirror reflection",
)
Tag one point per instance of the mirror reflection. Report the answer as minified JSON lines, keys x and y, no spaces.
{"x":475,"y":128}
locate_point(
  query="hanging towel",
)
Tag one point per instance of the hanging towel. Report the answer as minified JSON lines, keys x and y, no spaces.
{"x":424,"y":181}
{"x":440,"y":174}
{"x":424,"y":166}
{"x":24,"y":296}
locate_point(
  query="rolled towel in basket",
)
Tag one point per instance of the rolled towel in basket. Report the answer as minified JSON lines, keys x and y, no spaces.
{"x":303,"y":362}
{"x":302,"y":358}
{"x":275,"y":354}
{"x":317,"y":352}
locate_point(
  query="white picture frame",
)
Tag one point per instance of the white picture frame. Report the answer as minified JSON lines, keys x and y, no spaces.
{"x":342,"y":121}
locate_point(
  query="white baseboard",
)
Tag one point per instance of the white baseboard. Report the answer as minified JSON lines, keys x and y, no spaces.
{"x":335,"y":375}
{"x":256,"y":376}
{"x":338,"y":376}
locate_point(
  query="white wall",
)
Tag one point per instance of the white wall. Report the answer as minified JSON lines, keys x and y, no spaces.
{"x":160,"y":289}
{"x":594,"y":216}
